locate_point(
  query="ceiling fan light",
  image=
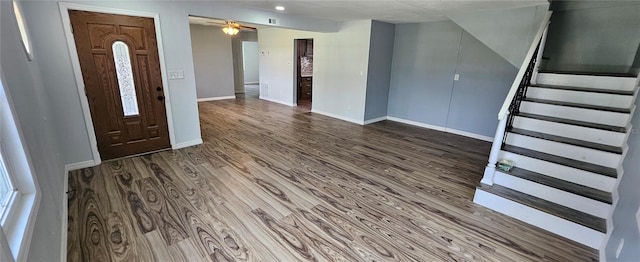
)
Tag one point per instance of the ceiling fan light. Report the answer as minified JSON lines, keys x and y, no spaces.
{"x":231,"y":29}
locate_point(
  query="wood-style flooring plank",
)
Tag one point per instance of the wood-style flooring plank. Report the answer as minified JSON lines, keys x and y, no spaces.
{"x":276,"y":183}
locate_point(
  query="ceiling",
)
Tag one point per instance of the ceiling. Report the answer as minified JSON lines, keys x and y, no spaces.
{"x":398,"y":11}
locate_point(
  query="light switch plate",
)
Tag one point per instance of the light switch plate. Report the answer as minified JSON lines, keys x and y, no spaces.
{"x":176,"y":74}
{"x":456,"y":77}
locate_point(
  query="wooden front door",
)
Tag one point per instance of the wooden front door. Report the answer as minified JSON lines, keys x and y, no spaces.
{"x":121,"y":71}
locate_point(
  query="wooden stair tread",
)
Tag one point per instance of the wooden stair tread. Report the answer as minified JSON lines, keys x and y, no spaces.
{"x":578,"y":105}
{"x":586,"y":89}
{"x":563,"y":185}
{"x":587,"y":220}
{"x":588,"y":73}
{"x":575,"y":122}
{"x":566,"y":140}
{"x":598,"y":169}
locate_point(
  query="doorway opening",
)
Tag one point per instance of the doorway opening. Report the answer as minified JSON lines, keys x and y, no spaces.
{"x":304,"y":72}
{"x":250,"y":69}
{"x":225,"y":66}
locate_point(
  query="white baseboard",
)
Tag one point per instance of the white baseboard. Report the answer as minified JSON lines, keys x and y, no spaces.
{"x":378,"y":119}
{"x":80,"y":165}
{"x":468,"y":134}
{"x":277,"y":101}
{"x":65,"y":216}
{"x":414,"y":123}
{"x":216,"y":98}
{"x":251,"y":83}
{"x":355,"y":121}
{"x":187,"y":144}
{"x":405,"y":121}
{"x":439,"y":128}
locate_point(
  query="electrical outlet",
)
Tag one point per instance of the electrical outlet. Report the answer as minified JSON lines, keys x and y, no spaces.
{"x":620,"y":246}
{"x":456,"y":77}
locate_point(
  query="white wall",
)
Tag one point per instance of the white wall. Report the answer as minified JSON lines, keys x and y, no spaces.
{"x":277,"y":62}
{"x":212,"y":61}
{"x":250,"y":62}
{"x":43,"y":19}
{"x":340,"y":62}
{"x":35,"y":118}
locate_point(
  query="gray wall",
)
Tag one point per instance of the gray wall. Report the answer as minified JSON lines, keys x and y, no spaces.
{"x":424,"y":62}
{"x":635,"y":68}
{"x":35,"y":117}
{"x":485,"y":79}
{"x":212,"y":61}
{"x":250,"y":62}
{"x":426,"y":58}
{"x":594,"y":39}
{"x":379,"y":73}
{"x":624,"y":220}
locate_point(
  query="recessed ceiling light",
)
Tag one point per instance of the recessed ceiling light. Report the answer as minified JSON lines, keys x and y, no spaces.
{"x":280,"y":8}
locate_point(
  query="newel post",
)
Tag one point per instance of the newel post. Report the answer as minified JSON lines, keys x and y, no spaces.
{"x":490,"y":170}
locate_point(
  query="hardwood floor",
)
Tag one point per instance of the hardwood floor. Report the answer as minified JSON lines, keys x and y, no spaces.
{"x":276,"y":183}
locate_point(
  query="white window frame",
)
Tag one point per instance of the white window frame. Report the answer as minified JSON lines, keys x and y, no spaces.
{"x":12,"y":188}
{"x":25,"y":38}
{"x":17,"y":223}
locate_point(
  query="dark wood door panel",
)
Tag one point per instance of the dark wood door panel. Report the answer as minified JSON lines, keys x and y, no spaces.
{"x":121,"y":70}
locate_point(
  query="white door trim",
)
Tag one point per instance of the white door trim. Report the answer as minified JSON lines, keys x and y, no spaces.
{"x":75,"y":61}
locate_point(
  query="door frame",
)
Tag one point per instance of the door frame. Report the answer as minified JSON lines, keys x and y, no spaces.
{"x":75,"y":61}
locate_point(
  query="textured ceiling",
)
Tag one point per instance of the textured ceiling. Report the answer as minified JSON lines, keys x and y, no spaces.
{"x":398,"y":11}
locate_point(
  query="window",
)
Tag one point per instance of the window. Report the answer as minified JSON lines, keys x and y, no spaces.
{"x":22,"y":27}
{"x":18,"y":190}
{"x":125,"y":78}
{"x":6,"y":188}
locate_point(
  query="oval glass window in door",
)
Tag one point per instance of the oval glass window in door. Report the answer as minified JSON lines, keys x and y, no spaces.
{"x":124,"y":72}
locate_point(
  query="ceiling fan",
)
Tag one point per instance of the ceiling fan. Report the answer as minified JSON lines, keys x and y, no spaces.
{"x":230,"y":27}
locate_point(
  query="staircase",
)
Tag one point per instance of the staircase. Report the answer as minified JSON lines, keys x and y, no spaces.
{"x":568,"y":138}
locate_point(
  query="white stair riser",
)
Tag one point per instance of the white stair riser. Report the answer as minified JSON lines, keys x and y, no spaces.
{"x":551,"y":223}
{"x":577,"y":132}
{"x":589,"y":98}
{"x":578,"y":176}
{"x":574,"y":113}
{"x":565,"y":150}
{"x":600,"y":82}
{"x":580,"y":203}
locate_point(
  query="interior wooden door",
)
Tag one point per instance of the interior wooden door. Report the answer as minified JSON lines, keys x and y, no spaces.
{"x":121,"y":72}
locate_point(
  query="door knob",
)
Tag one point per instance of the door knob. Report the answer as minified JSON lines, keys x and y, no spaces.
{"x":160,"y":98}
{"x":159,"y":88}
